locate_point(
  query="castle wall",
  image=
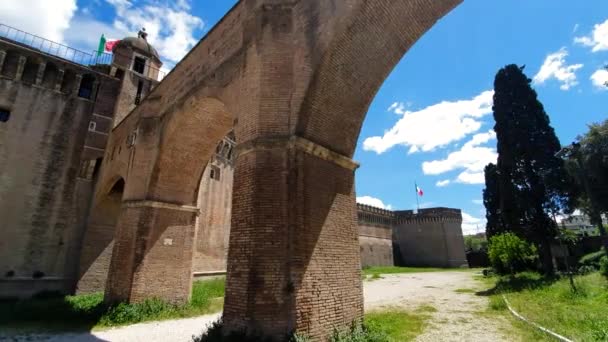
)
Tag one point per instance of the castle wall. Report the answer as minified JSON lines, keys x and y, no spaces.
{"x":431,"y":238}
{"x":215,"y":202}
{"x":375,"y":236}
{"x":41,"y":148}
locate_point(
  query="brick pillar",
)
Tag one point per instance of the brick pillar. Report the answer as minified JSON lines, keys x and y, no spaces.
{"x":2,"y":57}
{"x":59,"y":79}
{"x":293,"y":260}
{"x":40,"y":73}
{"x":152,"y":255}
{"x":20,"y":67}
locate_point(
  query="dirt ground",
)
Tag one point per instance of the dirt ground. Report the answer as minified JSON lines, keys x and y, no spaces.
{"x":459,"y":311}
{"x":457,"y":316}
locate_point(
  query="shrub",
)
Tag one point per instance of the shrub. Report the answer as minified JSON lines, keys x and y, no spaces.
{"x":604,"y":266}
{"x":508,"y":253}
{"x":592,"y":260}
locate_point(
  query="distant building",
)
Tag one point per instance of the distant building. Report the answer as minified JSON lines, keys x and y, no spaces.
{"x":581,"y":225}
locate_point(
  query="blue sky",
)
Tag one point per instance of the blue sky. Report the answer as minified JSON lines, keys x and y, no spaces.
{"x":431,"y":121}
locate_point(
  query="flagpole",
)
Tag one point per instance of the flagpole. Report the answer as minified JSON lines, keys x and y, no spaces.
{"x":416,"y":194}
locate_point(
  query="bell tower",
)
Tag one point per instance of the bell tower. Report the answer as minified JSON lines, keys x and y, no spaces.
{"x":137,"y":64}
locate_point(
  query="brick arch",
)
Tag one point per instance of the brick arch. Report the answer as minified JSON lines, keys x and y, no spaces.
{"x":190,"y":136}
{"x":365,"y":48}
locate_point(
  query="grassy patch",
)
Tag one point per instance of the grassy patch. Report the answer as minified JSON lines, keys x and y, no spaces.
{"x":395,"y":269}
{"x":84,"y":312}
{"x":580,"y":315}
{"x":397,"y":324}
{"x":465,"y":291}
{"x":386,"y":325}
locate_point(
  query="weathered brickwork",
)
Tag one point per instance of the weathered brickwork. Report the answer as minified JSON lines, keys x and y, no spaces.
{"x":42,"y":146}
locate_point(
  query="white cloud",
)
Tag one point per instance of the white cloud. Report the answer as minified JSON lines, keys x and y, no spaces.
{"x":374,"y":202}
{"x":45,"y":18}
{"x":472,"y":225}
{"x":170,"y":27}
{"x":434,"y":126}
{"x":600,"y":79}
{"x":598,"y":39}
{"x":477,"y":201}
{"x":471,"y":157}
{"x":555,"y":67}
{"x":442,"y":183}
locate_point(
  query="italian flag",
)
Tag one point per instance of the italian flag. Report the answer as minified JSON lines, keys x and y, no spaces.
{"x":419,"y":191}
{"x":106,"y":45}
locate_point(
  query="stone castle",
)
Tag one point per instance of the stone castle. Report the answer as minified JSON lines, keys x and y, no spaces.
{"x":57,"y":114}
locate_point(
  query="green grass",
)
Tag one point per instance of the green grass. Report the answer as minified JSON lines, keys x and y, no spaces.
{"x":397,"y":324}
{"x":465,"y":290}
{"x":85,"y":312}
{"x":385,"y":325}
{"x":395,"y":269}
{"x":580,"y":315}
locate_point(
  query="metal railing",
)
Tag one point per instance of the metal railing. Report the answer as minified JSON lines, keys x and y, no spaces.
{"x":63,"y":51}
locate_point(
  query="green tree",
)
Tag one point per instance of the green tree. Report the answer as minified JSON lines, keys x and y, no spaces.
{"x":587,"y":161}
{"x":491,"y":201}
{"x":531,"y":182}
{"x":508,"y":253}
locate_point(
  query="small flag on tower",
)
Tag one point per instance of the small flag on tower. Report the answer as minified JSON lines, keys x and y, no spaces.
{"x":106,"y":45}
{"x":419,"y":191}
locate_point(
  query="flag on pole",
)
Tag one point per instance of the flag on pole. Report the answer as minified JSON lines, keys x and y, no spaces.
{"x":106,"y":45}
{"x":419,"y":191}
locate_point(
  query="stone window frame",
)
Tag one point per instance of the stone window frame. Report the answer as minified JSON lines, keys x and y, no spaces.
{"x":92,"y":126}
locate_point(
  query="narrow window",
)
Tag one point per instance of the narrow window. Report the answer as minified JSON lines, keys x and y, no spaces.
{"x":4,"y":115}
{"x":86,"y":87}
{"x":120,"y":74}
{"x":139,"y":65}
{"x":140,"y":86}
{"x":214,"y":173}
{"x":92,"y":126}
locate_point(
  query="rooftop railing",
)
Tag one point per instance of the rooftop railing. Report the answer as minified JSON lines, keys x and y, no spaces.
{"x":63,"y":51}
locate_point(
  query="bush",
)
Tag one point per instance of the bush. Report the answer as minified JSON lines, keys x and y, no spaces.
{"x":508,"y":253}
{"x":604,"y":266}
{"x":592,"y":260}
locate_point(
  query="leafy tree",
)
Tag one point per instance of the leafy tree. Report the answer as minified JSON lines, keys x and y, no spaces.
{"x":473,"y":243}
{"x":587,"y":162}
{"x":491,"y":201}
{"x":508,"y":253}
{"x":529,"y":184}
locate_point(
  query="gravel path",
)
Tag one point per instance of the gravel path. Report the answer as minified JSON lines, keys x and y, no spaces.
{"x":457,"y":317}
{"x":452,"y":294}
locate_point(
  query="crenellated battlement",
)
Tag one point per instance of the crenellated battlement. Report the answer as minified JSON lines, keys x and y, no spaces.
{"x":373,"y":215}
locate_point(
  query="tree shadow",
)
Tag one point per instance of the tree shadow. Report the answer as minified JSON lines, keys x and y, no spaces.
{"x":517,"y":283}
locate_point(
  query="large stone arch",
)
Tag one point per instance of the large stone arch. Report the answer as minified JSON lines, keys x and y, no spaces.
{"x":297,"y":78}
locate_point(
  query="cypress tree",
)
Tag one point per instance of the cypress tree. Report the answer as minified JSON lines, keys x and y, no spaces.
{"x":530,"y":181}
